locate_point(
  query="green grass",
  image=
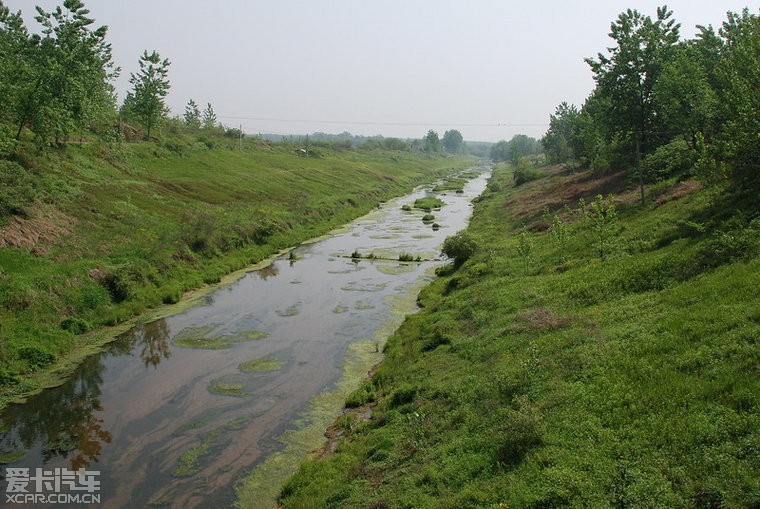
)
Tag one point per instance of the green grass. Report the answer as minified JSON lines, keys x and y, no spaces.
{"x":114,"y":230}
{"x":625,"y":382}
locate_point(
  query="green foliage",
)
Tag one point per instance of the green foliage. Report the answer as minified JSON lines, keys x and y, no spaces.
{"x":674,"y":158}
{"x":662,"y":105}
{"x":525,"y":249}
{"x":58,"y":82}
{"x":76,"y":325}
{"x":453,"y":142}
{"x":524,"y":172}
{"x":34,"y":357}
{"x":557,"y":141}
{"x":428,"y":203}
{"x":208,"y":121}
{"x":431,"y":143}
{"x":364,"y":394}
{"x":150,"y":86}
{"x":602,"y":217}
{"x":559,"y":233}
{"x":459,"y":247}
{"x":519,"y":146}
{"x":192,"y":115}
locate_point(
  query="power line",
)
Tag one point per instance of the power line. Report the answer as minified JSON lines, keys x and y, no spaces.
{"x":389,"y":124}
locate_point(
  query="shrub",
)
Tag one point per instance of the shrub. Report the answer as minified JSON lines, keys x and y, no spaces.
{"x":428,"y":218}
{"x":525,"y":173}
{"x":403,"y":395}
{"x":76,"y":325}
{"x":361,"y":396}
{"x":119,"y":284}
{"x":675,"y":158}
{"x":35,"y":358}
{"x":459,"y":247}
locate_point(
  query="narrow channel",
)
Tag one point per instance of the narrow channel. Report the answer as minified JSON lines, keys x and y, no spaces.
{"x":174,"y":412}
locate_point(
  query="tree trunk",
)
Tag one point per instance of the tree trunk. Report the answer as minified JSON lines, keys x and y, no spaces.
{"x":638,"y":168}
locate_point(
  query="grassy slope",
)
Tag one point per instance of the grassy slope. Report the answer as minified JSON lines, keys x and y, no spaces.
{"x":125,"y":229}
{"x":629,"y":382}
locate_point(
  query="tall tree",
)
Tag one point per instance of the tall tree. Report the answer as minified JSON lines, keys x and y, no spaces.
{"x":209,"y":117}
{"x":15,"y":75}
{"x":192,"y":116}
{"x":739,"y":72}
{"x":150,"y":86}
{"x":453,"y":141}
{"x":431,"y":142}
{"x":59,"y":81}
{"x":629,"y":74}
{"x":558,"y":141}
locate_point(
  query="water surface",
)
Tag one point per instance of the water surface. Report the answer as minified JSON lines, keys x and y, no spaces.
{"x":170,"y":424}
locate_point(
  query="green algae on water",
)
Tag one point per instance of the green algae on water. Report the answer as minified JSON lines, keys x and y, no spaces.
{"x":262,"y":364}
{"x":202,"y":337}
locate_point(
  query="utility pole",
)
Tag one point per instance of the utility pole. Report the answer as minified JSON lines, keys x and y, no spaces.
{"x":307,"y":146}
{"x":240,"y":146}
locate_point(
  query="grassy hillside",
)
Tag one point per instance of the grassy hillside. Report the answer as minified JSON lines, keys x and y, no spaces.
{"x":600,"y":359}
{"x":94,"y":234}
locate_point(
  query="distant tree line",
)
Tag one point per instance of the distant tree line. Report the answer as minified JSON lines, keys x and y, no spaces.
{"x":662,"y":106}
{"x":519,"y":146}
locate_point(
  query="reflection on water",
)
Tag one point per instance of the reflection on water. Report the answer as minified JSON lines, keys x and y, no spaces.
{"x":173,"y":426}
{"x":63,"y":423}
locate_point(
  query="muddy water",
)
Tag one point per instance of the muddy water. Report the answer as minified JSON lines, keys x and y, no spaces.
{"x":170,"y":424}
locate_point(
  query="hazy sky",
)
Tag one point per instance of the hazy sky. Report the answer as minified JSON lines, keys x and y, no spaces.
{"x":390,"y":67}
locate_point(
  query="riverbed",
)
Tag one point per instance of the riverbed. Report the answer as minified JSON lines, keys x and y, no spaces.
{"x":176,"y":411}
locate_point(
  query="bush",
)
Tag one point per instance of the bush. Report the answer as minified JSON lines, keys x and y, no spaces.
{"x":403,"y":395}
{"x":119,"y":284}
{"x":361,"y":396}
{"x":76,"y":325}
{"x":459,"y":247}
{"x":675,"y":158}
{"x":35,"y":358}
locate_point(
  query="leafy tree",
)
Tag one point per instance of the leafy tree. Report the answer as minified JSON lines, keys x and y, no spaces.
{"x":602,"y":216}
{"x":558,"y":141}
{"x":150,"y":87}
{"x":459,"y":247}
{"x":208,"y":121}
{"x":192,"y":115}
{"x":431,"y":142}
{"x":739,"y":72}
{"x":453,"y":142}
{"x":59,"y":81}
{"x":521,"y":145}
{"x":500,"y":151}
{"x":525,"y":250}
{"x":628,"y":77}
{"x":14,"y":73}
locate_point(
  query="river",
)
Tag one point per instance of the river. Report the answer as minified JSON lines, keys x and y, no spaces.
{"x":174,"y":412}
